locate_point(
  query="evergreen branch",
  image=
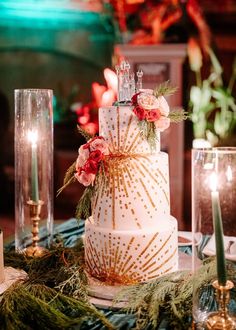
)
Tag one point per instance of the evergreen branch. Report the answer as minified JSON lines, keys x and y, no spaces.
{"x":69,"y":178}
{"x":148,"y":132}
{"x":49,"y":310}
{"x":178,"y":116}
{"x":170,"y":294}
{"x":164,"y":89}
{"x":85,"y":134}
{"x":83,"y":208}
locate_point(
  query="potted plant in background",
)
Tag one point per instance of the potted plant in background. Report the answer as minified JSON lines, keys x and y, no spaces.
{"x":213,"y":107}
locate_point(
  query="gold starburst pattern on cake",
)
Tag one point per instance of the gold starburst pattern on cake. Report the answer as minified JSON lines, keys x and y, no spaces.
{"x":118,"y":264}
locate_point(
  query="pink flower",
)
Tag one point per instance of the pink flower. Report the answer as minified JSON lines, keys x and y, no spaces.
{"x":163,"y":106}
{"x":90,"y":167}
{"x":80,"y":161}
{"x":146,"y":90}
{"x":153,"y":115}
{"x":99,"y":143}
{"x":85,"y":178}
{"x":147,"y":101}
{"x":162,"y":124}
{"x":139,"y":112}
{"x":84,"y":152}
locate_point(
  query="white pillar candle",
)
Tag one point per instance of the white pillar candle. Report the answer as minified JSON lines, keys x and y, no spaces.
{"x":1,"y":258}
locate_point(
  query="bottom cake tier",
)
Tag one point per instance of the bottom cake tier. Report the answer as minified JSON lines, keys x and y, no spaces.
{"x":126,"y":257}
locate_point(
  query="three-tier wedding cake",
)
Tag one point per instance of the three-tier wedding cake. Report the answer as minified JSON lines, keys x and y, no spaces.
{"x":131,"y":236}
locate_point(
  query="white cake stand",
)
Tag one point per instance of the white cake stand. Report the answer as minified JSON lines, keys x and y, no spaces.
{"x":102,"y":295}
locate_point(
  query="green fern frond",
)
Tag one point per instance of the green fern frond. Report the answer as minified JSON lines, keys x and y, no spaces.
{"x":177,"y":116}
{"x":83,"y":208}
{"x":85,"y":134}
{"x":164,"y":89}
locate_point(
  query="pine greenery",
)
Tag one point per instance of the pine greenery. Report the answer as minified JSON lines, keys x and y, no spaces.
{"x":178,"y":116}
{"x":55,"y":292}
{"x":148,"y":132}
{"x":164,"y":89}
{"x":85,"y":134}
{"x":169,"y":296}
{"x":69,"y":178}
{"x":83,"y":209}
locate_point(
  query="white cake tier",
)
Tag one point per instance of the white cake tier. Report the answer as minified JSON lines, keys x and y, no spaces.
{"x":135,"y":194}
{"x":117,"y":256}
{"x":120,"y":128}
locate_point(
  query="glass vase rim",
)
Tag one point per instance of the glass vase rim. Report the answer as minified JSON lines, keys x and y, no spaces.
{"x":33,"y":90}
{"x":221,"y":150}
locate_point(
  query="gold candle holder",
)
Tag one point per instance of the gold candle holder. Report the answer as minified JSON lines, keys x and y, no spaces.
{"x":221,"y":320}
{"x":35,"y":211}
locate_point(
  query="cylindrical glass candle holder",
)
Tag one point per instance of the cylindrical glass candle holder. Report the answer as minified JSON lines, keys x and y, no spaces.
{"x":33,"y":170}
{"x":214,"y":235}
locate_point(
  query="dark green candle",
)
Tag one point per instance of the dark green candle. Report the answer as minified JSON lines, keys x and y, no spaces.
{"x":219,"y":237}
{"x":34,"y":167}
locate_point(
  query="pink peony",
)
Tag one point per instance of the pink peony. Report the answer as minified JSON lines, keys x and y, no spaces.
{"x":146,"y":90}
{"x":99,"y":144}
{"x":84,"y":152}
{"x":85,"y":178}
{"x":163,"y":106}
{"x":162,"y":124}
{"x":153,"y":115}
{"x":80,"y":161}
{"x":148,"y":101}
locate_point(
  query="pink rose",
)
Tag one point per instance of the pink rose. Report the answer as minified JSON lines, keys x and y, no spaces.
{"x":162,"y":124}
{"x":146,"y":90}
{"x":147,"y":101}
{"x":163,"y":106}
{"x":99,"y":144}
{"x":90,"y":167}
{"x":80,"y":161}
{"x":153,"y":115}
{"x":96,"y":156}
{"x":84,"y":152}
{"x":139,"y":112}
{"x":85,"y":178}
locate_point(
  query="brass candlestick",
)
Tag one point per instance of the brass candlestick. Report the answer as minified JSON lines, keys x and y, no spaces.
{"x":221,"y":320}
{"x":35,"y":210}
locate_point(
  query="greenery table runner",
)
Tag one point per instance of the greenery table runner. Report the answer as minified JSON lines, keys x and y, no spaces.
{"x":55,"y":293}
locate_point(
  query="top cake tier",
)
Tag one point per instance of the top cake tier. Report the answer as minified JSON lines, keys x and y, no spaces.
{"x":120,"y":128}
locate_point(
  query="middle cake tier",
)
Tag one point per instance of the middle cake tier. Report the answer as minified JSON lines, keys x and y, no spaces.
{"x":134,"y":194}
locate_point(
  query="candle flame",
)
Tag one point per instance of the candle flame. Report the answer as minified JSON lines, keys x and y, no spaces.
{"x":33,"y":137}
{"x":229,"y":174}
{"x":213,"y":180}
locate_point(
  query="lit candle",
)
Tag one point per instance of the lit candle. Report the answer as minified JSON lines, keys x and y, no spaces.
{"x":33,"y":138}
{"x":218,"y":228}
{"x":2,"y":276}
